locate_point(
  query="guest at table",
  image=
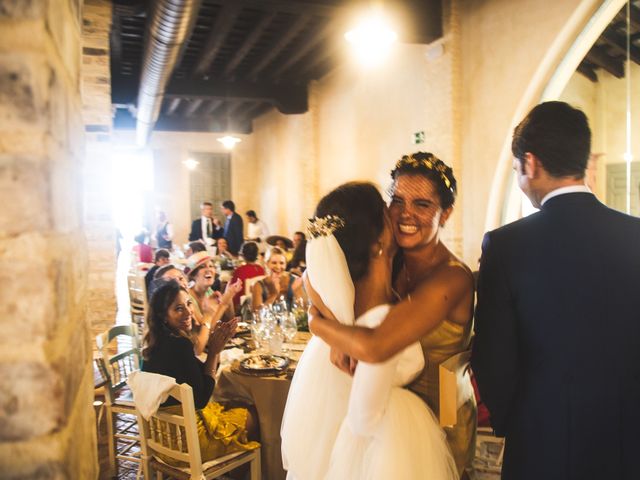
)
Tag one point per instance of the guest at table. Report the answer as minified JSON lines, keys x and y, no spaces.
{"x":278,"y":283}
{"x":250,"y":269}
{"x":164,"y":231}
{"x":168,"y":350}
{"x":207,"y":301}
{"x":297,"y":264}
{"x":165,"y":274}
{"x":144,"y":253}
{"x":161,"y":258}
{"x":222,"y":250}
{"x":195,"y":247}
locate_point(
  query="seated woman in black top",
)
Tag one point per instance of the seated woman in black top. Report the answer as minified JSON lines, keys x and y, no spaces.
{"x":168,"y":350}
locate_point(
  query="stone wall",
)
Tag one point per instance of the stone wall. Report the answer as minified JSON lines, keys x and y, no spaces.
{"x":98,"y":217}
{"x":47,"y":424}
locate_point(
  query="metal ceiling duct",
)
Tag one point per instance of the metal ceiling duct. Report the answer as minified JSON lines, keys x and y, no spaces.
{"x":168,"y":30}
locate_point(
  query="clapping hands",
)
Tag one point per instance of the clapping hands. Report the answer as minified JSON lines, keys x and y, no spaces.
{"x":221,"y":333}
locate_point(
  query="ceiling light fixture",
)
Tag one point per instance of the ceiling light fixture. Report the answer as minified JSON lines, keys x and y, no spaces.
{"x":191,"y":163}
{"x":229,"y":141}
{"x":371,"y":40}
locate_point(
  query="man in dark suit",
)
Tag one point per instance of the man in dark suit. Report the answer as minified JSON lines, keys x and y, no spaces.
{"x":233,"y":227}
{"x":557,"y":346}
{"x":206,"y":228}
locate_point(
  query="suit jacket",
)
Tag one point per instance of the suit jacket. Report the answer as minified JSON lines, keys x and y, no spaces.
{"x":196,"y":231}
{"x":234,"y":232}
{"x":557,"y":347}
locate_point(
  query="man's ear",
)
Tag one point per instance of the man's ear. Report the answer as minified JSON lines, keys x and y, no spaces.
{"x":532,"y":165}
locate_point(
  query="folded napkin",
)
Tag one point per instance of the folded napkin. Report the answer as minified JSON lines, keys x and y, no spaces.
{"x":149,"y":391}
{"x":230,"y":355}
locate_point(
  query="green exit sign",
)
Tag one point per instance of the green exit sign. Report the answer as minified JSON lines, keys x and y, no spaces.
{"x":418,"y":137}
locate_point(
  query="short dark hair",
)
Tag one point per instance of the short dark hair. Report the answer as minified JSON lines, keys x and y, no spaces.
{"x":251,"y":213}
{"x":432,"y":168}
{"x":559,"y":135}
{"x":304,"y":237}
{"x":250,"y":251}
{"x":197,"y":247}
{"x":229,"y":204}
{"x":161,"y":253}
{"x":162,"y":270}
{"x":361,"y":207}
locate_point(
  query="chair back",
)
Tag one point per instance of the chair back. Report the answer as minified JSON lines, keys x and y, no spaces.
{"x":119,"y":366}
{"x":173,"y":435}
{"x":455,"y":386}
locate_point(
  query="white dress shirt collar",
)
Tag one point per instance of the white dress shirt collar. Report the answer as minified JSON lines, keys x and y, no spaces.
{"x":563,"y":190}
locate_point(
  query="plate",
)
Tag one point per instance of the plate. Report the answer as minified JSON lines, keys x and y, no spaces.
{"x":242,"y":328}
{"x":235,"y":342}
{"x":264,"y":363}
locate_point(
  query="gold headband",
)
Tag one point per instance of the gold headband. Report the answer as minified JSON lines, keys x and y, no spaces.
{"x":324,"y":226}
{"x":431,"y":163}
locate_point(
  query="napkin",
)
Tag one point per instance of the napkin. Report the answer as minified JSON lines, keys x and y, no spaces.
{"x":230,"y":355}
{"x":149,"y":391}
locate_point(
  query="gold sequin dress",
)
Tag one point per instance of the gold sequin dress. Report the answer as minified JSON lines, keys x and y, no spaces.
{"x":447,"y":340}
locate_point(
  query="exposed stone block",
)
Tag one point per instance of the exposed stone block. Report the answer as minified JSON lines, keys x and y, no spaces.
{"x":22,"y":9}
{"x":24,"y":181}
{"x":31,"y":400}
{"x":22,"y":93}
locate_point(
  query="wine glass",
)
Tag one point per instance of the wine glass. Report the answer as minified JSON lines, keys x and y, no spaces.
{"x":289,"y":326}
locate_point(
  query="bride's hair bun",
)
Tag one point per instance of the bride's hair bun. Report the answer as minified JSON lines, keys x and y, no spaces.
{"x":360,"y":207}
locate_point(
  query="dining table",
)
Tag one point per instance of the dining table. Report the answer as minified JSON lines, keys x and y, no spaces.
{"x":267,"y":393}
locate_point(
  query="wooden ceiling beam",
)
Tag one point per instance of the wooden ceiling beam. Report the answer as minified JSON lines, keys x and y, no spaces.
{"x":248,"y":43}
{"x":221,"y":26}
{"x":619,"y":44}
{"x":287,"y":98}
{"x":317,"y":8}
{"x":212,"y":107}
{"x":587,"y":72}
{"x":317,"y":38}
{"x":274,"y":50}
{"x":599,"y":57}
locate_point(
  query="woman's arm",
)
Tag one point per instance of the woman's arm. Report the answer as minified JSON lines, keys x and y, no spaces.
{"x":430,"y":304}
{"x":256,"y":296}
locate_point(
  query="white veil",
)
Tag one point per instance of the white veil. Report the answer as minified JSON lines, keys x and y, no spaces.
{"x":319,"y":392}
{"x":329,"y":275}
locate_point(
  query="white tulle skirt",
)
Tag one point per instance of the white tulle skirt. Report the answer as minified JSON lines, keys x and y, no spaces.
{"x":316,"y":405}
{"x":408,"y":444}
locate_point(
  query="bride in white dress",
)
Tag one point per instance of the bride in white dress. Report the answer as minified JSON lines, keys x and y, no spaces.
{"x":368,"y":427}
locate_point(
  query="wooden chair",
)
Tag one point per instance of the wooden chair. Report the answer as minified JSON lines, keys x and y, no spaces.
{"x":455,"y":386}
{"x":120,"y":410}
{"x":176,"y":437}
{"x":137,"y":297}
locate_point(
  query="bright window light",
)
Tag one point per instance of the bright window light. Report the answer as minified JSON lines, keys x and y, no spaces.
{"x":229,"y":141}
{"x":132,"y":180}
{"x":371,"y":40}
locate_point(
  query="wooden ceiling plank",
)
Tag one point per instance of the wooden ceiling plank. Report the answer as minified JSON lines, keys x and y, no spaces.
{"x":275,"y":49}
{"x":212,"y":107}
{"x":287,"y":6}
{"x":174,"y":103}
{"x":193,"y":107}
{"x":303,"y":49}
{"x":248,"y":43}
{"x":219,"y":31}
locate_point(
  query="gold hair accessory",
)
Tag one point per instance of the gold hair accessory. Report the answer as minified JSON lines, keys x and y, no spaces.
{"x":431,"y":163}
{"x":324,"y":226}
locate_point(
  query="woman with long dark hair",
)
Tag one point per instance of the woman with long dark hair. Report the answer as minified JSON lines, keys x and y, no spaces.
{"x":169,"y":350}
